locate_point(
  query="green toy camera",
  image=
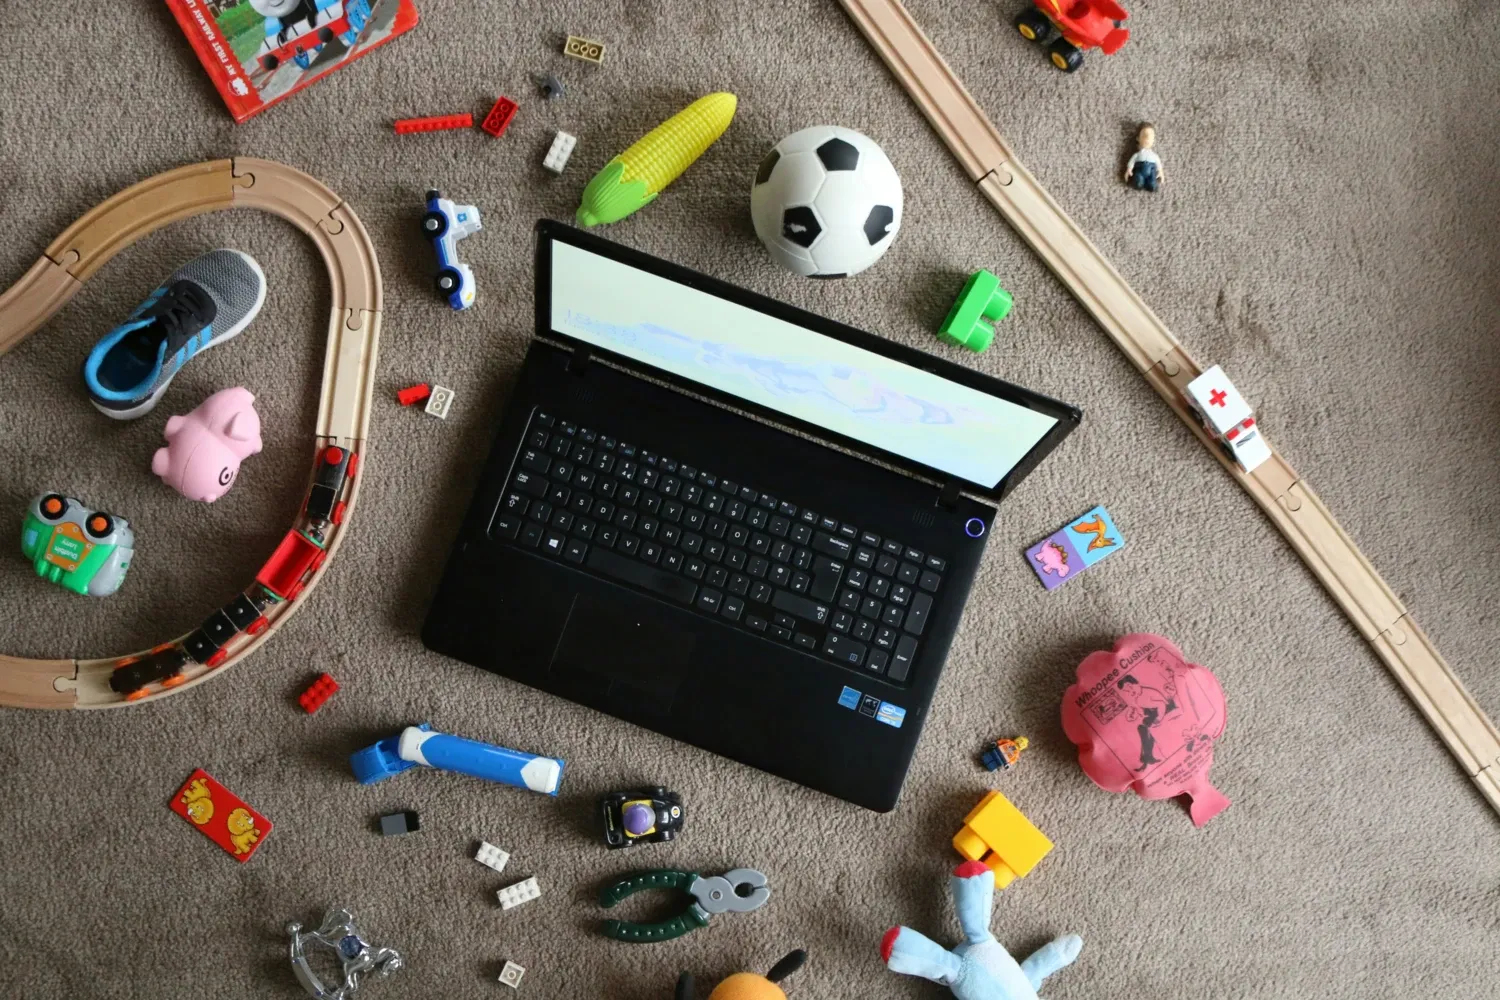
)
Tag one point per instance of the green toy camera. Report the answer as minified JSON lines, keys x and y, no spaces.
{"x":81,"y":550}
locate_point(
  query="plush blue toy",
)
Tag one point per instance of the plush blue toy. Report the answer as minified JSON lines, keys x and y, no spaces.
{"x":980,"y":968}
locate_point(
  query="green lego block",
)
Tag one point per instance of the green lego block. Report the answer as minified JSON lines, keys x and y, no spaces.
{"x":982,"y":299}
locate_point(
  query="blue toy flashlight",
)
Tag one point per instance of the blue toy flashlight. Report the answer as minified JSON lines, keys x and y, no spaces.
{"x":420,"y":745}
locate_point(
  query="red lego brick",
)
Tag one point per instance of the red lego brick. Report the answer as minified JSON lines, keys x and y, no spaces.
{"x":437,"y":123}
{"x":413,"y":394}
{"x":499,"y":118}
{"x":221,"y":816}
{"x":320,"y":691}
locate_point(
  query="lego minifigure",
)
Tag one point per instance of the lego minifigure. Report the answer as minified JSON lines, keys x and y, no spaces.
{"x":1143,"y":171}
{"x":1003,"y":753}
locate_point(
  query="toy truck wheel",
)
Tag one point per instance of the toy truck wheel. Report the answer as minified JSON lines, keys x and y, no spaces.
{"x":53,"y":507}
{"x":99,"y":525}
{"x":1065,"y":56}
{"x":448,"y":280}
{"x":1034,"y":27}
{"x":325,"y":35}
{"x":434,"y":225}
{"x":269,"y":63}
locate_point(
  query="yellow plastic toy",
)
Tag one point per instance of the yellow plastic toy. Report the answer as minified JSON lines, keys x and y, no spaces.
{"x":997,"y":835}
{"x":632,"y":180}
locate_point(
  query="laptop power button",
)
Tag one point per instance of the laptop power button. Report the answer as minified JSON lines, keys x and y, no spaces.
{"x":974,"y":528}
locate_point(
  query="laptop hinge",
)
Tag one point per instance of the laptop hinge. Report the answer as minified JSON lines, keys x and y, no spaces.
{"x":948,"y":499}
{"x":580,"y":359}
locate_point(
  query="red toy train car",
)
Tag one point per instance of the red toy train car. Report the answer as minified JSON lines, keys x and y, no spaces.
{"x":282,"y":578}
{"x":1068,"y":27}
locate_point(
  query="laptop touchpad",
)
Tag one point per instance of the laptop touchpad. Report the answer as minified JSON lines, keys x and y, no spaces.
{"x":620,"y":647}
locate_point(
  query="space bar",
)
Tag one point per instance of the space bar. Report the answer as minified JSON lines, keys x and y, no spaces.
{"x":658,"y":582}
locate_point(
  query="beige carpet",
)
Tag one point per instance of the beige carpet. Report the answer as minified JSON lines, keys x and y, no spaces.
{"x":1327,"y":232}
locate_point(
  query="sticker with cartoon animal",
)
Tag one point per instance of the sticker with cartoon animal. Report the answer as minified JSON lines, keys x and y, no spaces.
{"x":1074,"y":547}
{"x":221,"y":816}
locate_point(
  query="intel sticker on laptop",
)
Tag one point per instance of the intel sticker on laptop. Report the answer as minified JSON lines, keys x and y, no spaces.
{"x":872,"y":707}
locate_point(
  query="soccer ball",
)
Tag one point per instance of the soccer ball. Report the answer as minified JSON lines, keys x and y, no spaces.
{"x":826,"y":202}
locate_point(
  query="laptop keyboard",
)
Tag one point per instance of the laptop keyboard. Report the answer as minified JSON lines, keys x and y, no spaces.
{"x":639,"y":517}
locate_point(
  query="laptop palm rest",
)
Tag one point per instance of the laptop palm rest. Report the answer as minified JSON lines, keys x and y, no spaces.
{"x":621,"y":650}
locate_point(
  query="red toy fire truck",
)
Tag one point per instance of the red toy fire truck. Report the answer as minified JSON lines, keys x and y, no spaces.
{"x":1067,"y":27}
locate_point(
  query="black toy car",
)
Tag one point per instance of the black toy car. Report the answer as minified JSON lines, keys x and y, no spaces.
{"x":651,"y":816}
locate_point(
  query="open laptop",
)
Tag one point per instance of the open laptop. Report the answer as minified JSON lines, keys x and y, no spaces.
{"x":731,"y":521}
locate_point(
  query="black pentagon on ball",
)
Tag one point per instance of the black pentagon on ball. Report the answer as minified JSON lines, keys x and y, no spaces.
{"x":837,"y":154}
{"x":878,"y":223}
{"x":801,"y":226}
{"x":763,"y":173}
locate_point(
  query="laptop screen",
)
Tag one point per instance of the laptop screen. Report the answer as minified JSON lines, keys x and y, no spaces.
{"x":790,"y":369}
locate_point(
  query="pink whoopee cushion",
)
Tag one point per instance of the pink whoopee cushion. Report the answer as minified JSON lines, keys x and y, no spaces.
{"x":1145,"y":718}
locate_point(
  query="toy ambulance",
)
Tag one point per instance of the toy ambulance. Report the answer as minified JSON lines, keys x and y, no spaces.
{"x":1228,"y":417}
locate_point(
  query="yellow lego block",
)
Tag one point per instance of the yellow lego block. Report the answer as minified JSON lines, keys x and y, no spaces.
{"x":996,"y":834}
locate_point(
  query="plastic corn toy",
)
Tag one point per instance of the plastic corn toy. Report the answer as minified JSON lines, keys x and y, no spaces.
{"x":632,"y":180}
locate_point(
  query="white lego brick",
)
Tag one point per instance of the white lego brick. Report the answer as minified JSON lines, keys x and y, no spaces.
{"x":521,"y":892}
{"x":1215,"y":397}
{"x":439,"y":401}
{"x":491,"y":856}
{"x":562,"y":148}
{"x":511,"y":974}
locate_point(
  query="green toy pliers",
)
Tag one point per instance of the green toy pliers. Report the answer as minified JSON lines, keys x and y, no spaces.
{"x":738,"y":891}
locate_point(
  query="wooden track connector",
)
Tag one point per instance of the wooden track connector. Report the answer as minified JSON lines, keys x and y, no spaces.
{"x":1285,"y":498}
{"x":343,"y":410}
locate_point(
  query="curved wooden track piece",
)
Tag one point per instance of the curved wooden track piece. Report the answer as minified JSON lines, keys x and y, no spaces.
{"x":1288,"y":501}
{"x":348,"y":370}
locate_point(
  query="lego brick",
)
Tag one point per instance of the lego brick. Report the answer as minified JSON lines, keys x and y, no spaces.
{"x":413,"y":394}
{"x":582,"y":48}
{"x":221,"y":816}
{"x":499,"y":117}
{"x":521,"y":892}
{"x":511,"y":974}
{"x":491,"y":856}
{"x":562,"y":148}
{"x":442,"y":399}
{"x":437,"y":123}
{"x":317,"y":693}
{"x":998,"y":834}
{"x":395,"y":824}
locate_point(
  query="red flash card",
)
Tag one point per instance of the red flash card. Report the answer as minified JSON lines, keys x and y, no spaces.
{"x":221,"y":816}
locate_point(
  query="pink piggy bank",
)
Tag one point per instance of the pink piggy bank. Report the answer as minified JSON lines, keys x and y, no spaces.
{"x":204,"y":449}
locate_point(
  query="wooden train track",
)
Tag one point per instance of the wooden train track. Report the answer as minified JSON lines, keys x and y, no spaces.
{"x":1286,"y":499}
{"x":348,"y":367}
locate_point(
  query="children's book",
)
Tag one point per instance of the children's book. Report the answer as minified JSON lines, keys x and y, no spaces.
{"x":258,"y":52}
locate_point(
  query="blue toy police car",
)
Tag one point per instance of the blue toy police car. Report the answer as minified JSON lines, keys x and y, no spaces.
{"x":445,"y":224}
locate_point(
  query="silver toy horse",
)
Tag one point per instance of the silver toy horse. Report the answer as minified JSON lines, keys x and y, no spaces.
{"x":338,"y":932}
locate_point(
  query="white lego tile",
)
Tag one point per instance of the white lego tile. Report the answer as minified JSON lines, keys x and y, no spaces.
{"x":491,"y":856}
{"x":1215,"y":397}
{"x":439,"y":402}
{"x":562,"y":148}
{"x":521,"y":892}
{"x":511,"y":974}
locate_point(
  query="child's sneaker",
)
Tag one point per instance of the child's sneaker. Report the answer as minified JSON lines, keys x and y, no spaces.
{"x":207,"y":301}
